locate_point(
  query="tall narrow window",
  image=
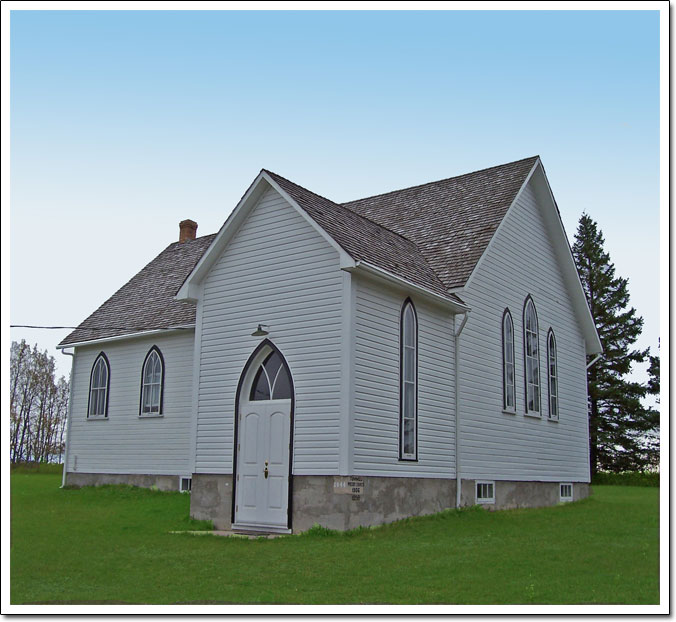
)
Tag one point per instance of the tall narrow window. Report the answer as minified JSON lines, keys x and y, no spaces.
{"x":508,"y":377}
{"x":99,"y":382}
{"x":532,"y":358}
{"x":152,"y":381}
{"x":408,"y":442}
{"x":552,"y":371}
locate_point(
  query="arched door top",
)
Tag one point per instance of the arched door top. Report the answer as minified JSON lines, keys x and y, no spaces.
{"x":263,"y":443}
{"x":266,"y":375}
{"x":272,"y":380}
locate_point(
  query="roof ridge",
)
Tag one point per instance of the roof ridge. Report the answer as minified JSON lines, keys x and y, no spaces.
{"x":342,"y":206}
{"x":429,"y":183}
{"x":373,"y":222}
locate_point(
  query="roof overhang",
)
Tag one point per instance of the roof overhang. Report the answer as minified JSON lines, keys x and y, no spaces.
{"x":192,"y":286}
{"x":552,"y":219}
{"x":363,"y":267}
{"x":144,"y":333}
{"x":190,"y":290}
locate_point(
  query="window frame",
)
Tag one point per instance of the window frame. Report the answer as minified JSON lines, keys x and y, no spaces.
{"x":531,"y":413}
{"x":262,"y":371}
{"x":101,"y":356}
{"x":566,"y":499}
{"x":508,"y":409}
{"x":408,"y":457}
{"x":551,"y":340}
{"x":484,"y":500}
{"x":153,"y":350}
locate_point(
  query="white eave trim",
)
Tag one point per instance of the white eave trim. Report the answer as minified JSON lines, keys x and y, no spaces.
{"x":592,"y":340}
{"x":568,"y":268}
{"x":190,"y":290}
{"x":145,"y":333}
{"x":475,"y":270}
{"x":346,"y":260}
{"x":367,"y":268}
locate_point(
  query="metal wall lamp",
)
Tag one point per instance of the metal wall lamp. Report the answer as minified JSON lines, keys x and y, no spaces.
{"x":260,"y":331}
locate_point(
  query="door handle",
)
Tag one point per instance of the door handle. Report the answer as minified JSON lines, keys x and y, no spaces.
{"x":265,"y":470}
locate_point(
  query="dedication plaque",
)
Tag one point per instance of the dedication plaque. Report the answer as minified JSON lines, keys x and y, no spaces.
{"x":351,"y":485}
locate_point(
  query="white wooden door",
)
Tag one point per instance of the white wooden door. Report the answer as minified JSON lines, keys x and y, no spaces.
{"x":263,"y":464}
{"x":264,"y":433}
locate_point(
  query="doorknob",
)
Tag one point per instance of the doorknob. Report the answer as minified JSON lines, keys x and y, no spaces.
{"x":265,"y":470}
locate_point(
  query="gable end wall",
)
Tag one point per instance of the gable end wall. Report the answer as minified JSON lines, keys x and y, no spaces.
{"x":277,"y":270}
{"x":494,"y":445}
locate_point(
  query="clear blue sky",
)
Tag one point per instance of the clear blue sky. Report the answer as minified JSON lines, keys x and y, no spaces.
{"x":125,"y":122}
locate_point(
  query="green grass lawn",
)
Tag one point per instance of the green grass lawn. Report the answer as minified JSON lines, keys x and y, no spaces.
{"x":112,"y":545}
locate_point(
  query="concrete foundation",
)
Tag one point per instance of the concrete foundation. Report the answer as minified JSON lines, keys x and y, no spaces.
{"x":510,"y":495}
{"x":315,"y":500}
{"x":324,"y":500}
{"x":318,"y":500}
{"x":162,"y":482}
{"x":211,"y":499}
{"x":383,"y":500}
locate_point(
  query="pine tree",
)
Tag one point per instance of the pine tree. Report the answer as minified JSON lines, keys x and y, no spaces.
{"x":652,"y":444}
{"x":654,"y":377}
{"x":619,"y":425}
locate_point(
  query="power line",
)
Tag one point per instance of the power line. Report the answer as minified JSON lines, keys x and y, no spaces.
{"x":47,"y":327}
{"x":101,"y":327}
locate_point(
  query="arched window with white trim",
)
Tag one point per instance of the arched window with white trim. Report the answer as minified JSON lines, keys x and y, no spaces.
{"x":531,"y":358}
{"x":508,"y":375}
{"x":553,"y":374}
{"x":152,"y":383}
{"x":408,"y":424}
{"x":99,"y":383}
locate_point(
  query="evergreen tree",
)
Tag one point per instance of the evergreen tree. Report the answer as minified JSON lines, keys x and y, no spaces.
{"x":652,"y":444}
{"x":619,"y":425}
{"x":654,"y":377}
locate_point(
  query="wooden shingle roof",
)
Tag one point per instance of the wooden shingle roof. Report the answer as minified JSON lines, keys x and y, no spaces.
{"x":146,"y":302}
{"x":364,"y":239}
{"x":430,"y":235}
{"x":451,"y":221}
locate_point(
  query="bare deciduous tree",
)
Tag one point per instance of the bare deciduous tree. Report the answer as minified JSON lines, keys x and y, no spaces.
{"x":38,"y":406}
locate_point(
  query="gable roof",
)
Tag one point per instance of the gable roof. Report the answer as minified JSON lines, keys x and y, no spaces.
{"x":365,"y":240}
{"x":451,"y":221}
{"x":147,"y":301}
{"x":430,"y":236}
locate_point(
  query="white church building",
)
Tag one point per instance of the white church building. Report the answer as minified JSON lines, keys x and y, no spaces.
{"x":346,"y":364}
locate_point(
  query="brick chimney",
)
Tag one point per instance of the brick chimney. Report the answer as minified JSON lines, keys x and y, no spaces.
{"x":187,"y":230}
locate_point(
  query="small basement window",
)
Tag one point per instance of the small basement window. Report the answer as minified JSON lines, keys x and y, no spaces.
{"x":186,"y":484}
{"x":565,"y":492}
{"x":485,"y":492}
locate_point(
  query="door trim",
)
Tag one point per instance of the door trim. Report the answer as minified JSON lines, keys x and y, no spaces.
{"x":268,"y":345}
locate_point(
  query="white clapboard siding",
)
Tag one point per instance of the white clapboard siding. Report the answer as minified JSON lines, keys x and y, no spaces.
{"x":376,"y":379}
{"x":277,"y":270}
{"x":125,"y":442}
{"x":495,"y":445}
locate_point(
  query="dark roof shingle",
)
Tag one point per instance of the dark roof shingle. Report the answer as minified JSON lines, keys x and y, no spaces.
{"x":147,"y":302}
{"x":365,"y":240}
{"x":431,"y":235}
{"x":451,"y":221}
